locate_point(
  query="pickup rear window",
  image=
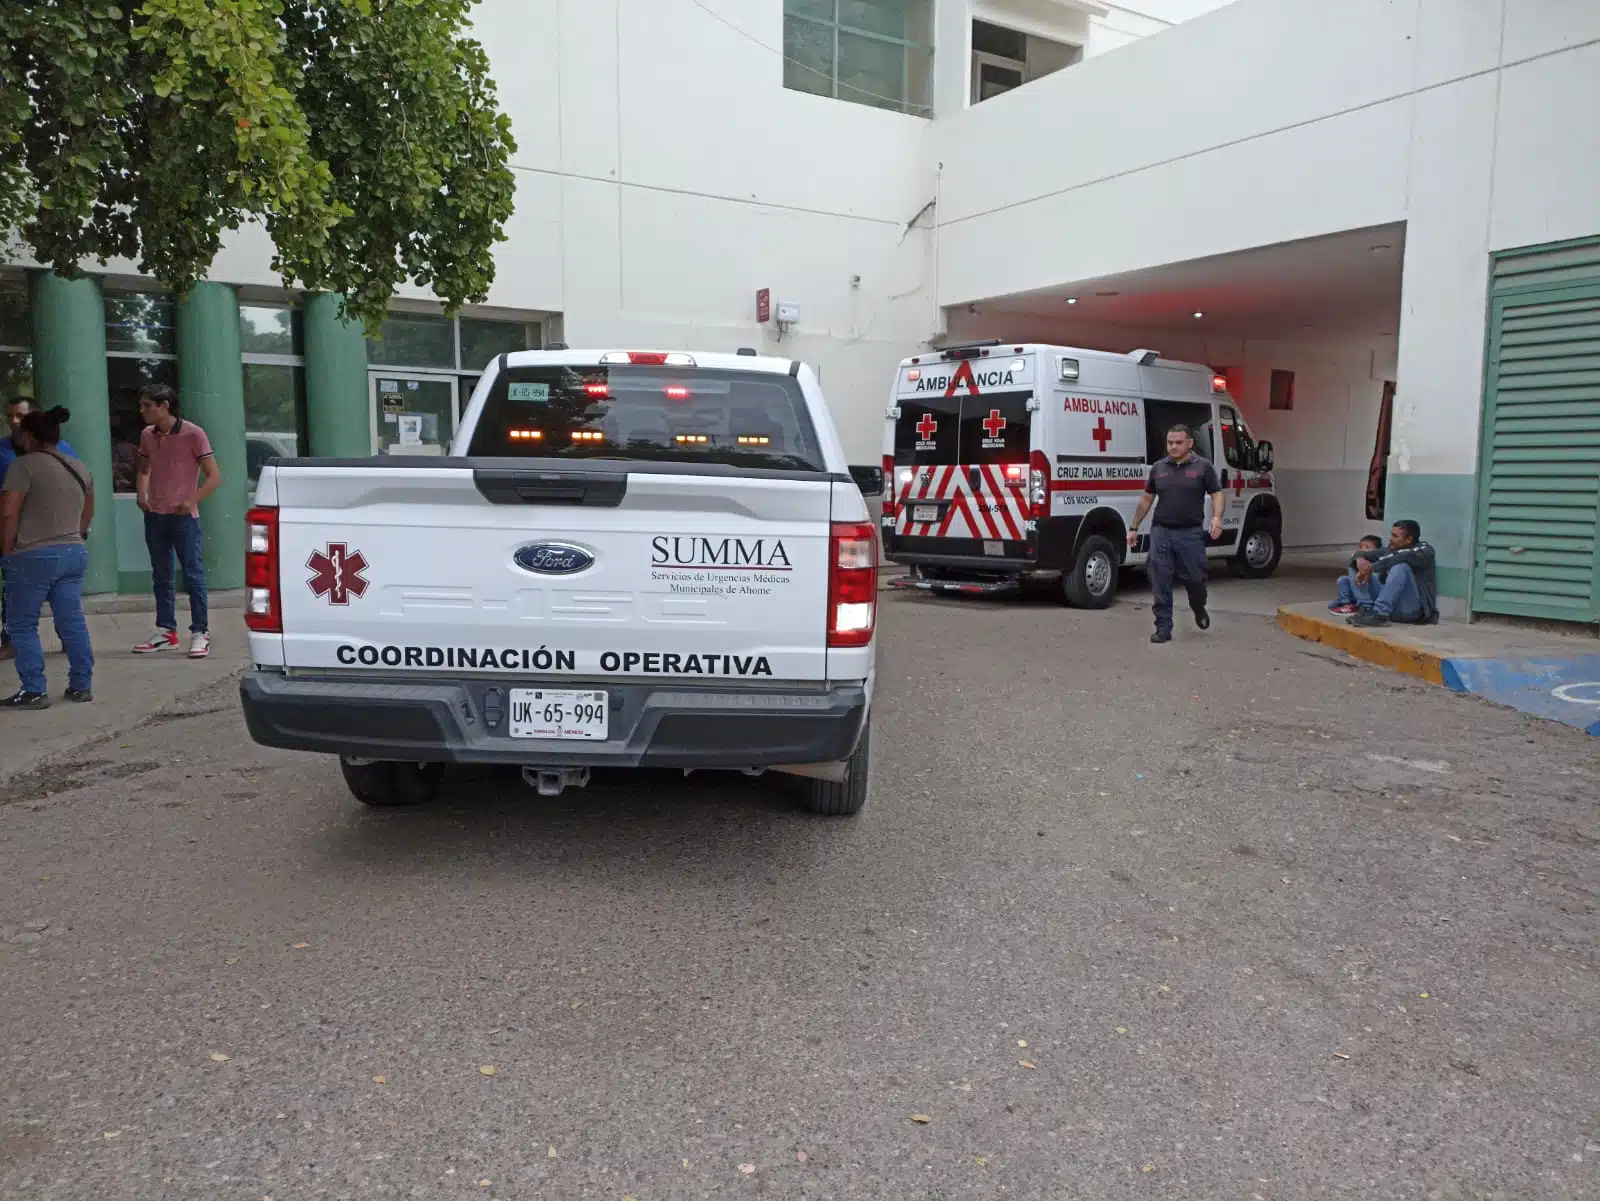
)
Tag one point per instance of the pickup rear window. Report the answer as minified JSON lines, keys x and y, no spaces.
{"x":671,"y":414}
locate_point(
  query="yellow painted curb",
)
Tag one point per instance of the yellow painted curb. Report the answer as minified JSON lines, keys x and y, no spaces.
{"x":1365,"y":644}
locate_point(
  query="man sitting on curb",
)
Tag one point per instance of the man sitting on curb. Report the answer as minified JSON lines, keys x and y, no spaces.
{"x":1397,"y":584}
{"x":1347,"y":603}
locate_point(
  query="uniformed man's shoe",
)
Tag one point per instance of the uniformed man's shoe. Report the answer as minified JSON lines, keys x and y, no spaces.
{"x":1161,"y":636}
{"x":1369,"y":618}
{"x":1202,"y":619}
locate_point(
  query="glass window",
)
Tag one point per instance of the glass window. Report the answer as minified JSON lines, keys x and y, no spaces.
{"x":482,"y":340}
{"x":808,"y":57}
{"x":126,"y":376}
{"x":415,"y":340}
{"x":274,"y":414}
{"x":876,"y":52}
{"x":872,"y":71}
{"x":1238,"y":448}
{"x":15,"y":328}
{"x":906,"y":20}
{"x":16,"y":374}
{"x":681,"y":415}
{"x":270,"y":329}
{"x":140,"y":323}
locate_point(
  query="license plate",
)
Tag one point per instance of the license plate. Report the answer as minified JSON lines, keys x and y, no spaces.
{"x":994,"y":548}
{"x":541,"y":713}
{"x":925,"y":514}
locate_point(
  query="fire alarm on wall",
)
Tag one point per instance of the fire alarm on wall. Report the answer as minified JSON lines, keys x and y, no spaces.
{"x":763,"y":306}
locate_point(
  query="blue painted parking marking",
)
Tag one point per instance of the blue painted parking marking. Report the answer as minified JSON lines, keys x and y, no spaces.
{"x":1565,"y":690}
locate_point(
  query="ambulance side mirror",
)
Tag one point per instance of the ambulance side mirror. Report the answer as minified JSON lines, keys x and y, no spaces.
{"x":869,"y":480}
{"x":1263,"y":456}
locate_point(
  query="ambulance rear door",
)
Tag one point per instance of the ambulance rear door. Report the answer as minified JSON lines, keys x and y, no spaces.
{"x":961,"y":449}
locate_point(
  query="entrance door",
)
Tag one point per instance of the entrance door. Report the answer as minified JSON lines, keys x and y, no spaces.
{"x":412,"y":414}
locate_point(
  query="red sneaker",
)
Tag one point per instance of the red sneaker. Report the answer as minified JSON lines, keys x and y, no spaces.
{"x":1342,"y":610}
{"x":161,"y":640}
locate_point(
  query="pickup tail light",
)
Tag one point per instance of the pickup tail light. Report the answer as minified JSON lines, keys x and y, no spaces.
{"x":852,"y":584}
{"x":1038,"y":486}
{"x":891,"y":489}
{"x":263,"y":604}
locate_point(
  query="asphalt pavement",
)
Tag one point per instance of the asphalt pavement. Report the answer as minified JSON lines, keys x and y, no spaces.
{"x":1230,"y":918}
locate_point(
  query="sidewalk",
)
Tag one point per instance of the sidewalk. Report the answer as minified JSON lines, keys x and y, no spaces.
{"x":1545,"y":673}
{"x":129,"y":689}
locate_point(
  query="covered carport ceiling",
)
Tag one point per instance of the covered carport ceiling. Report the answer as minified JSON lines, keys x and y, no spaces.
{"x":1339,"y":285}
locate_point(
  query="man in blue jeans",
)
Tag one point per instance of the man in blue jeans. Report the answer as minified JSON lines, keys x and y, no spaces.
{"x":1397,"y":584}
{"x":176,"y":472}
{"x":17,"y":407}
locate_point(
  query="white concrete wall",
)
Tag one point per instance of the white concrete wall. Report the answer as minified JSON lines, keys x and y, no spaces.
{"x":1323,"y":446}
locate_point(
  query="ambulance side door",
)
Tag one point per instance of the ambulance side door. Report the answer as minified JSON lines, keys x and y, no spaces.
{"x":1235,"y":463}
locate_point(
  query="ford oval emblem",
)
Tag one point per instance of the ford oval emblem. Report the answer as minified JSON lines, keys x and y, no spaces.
{"x":554,"y":558}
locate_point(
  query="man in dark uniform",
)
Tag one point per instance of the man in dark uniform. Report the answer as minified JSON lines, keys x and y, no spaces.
{"x":1181,"y":482}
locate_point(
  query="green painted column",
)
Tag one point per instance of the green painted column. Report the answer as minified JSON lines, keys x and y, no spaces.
{"x":69,"y":368}
{"x":211,"y":394}
{"x":336,"y":381}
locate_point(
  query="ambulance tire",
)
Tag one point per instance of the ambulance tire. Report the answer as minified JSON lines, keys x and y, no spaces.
{"x":843,"y":798}
{"x":386,"y":785}
{"x":1091,"y":581}
{"x":1260,"y":549}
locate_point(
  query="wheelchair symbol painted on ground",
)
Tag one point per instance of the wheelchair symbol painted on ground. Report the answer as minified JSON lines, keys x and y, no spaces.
{"x":1569,"y":692}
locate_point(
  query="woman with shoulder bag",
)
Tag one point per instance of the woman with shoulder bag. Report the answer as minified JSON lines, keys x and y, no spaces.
{"x":46,"y":505}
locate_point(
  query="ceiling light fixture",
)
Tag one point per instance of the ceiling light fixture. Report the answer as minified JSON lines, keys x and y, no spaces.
{"x":1198,"y":314}
{"x":1072,"y":300}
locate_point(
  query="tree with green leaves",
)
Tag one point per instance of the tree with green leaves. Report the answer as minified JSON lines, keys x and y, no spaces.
{"x":364,"y":135}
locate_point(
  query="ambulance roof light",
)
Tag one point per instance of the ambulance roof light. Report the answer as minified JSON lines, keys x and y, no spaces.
{"x":1144,"y":357}
{"x":1219,"y":383}
{"x":748,"y":352}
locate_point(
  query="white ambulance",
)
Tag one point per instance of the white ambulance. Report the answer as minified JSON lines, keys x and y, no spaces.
{"x":1006,"y":466}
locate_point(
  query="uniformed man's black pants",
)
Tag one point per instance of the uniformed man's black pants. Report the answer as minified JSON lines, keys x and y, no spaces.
{"x":1177,"y":553}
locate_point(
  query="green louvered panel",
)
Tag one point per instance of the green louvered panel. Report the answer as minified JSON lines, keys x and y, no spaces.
{"x":1539,"y":480}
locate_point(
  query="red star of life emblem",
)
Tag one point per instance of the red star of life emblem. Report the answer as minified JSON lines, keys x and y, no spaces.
{"x":336,"y":573}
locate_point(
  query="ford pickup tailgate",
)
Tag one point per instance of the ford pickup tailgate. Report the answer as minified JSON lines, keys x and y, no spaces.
{"x":635,"y":519}
{"x":503,"y":567}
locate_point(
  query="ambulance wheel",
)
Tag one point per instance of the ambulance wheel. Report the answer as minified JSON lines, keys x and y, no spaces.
{"x":1091,"y":581}
{"x":1260,"y":549}
{"x":843,"y":798}
{"x":386,"y":785}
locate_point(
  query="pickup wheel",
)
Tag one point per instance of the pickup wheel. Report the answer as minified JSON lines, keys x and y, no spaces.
{"x":1091,"y":581}
{"x":387,"y":785}
{"x":846,"y":797}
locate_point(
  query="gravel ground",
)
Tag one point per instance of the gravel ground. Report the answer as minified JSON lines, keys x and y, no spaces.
{"x":1231,"y":918}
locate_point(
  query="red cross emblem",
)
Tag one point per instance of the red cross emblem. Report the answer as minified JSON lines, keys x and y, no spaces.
{"x":994,"y":423}
{"x":926,"y":426}
{"x":1102,"y":435}
{"x":1238,"y":483}
{"x":336,"y":573}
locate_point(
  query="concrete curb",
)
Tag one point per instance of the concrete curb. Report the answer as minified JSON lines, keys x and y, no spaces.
{"x":1368,"y":645}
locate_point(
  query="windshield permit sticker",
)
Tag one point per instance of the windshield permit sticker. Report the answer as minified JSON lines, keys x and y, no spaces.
{"x":523,"y":391}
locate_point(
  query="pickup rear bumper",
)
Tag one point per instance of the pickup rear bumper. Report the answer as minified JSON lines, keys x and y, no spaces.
{"x":420,"y":719}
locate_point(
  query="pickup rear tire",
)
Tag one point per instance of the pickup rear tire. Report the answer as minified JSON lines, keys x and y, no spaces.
{"x":1091,"y":581}
{"x":387,"y":785}
{"x":846,"y":797}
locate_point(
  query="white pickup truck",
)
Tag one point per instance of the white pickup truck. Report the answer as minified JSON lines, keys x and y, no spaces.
{"x":628,"y":559}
